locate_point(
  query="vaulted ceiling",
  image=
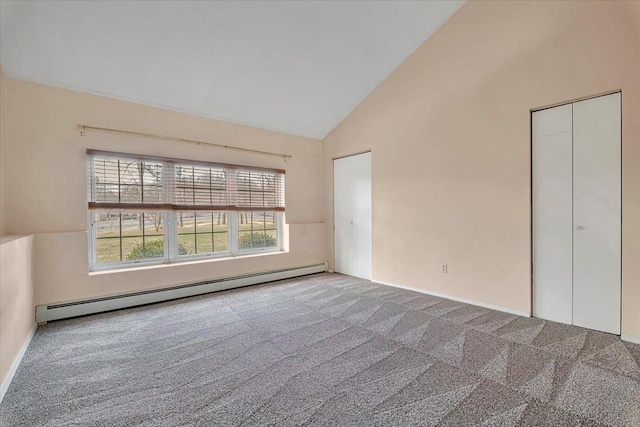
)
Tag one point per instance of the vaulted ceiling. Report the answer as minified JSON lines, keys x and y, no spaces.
{"x":299,"y":67}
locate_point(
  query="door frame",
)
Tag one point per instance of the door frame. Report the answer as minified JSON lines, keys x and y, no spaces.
{"x":559,"y":104}
{"x":333,"y":210}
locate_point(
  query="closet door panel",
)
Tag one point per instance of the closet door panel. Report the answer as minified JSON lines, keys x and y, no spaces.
{"x":552,"y":214}
{"x":361,"y":184}
{"x":597,"y":213}
{"x":342,"y":217}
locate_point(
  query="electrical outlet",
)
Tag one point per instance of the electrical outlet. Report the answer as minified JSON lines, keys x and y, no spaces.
{"x":306,"y":254}
{"x":444,"y":268}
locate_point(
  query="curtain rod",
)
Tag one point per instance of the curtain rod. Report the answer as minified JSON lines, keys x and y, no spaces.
{"x":183,"y":140}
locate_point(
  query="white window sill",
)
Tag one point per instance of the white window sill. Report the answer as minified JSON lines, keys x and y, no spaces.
{"x":125,"y":269}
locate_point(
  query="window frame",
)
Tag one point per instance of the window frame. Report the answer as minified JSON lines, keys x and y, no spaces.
{"x":170,"y":217}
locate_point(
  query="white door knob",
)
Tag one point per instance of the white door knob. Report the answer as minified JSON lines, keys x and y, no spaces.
{"x":578,"y":227}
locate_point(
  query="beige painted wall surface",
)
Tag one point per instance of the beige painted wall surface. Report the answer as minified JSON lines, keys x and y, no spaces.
{"x":449,"y":132}
{"x":47,"y":197}
{"x":17,"y":312}
{"x":3,"y":108}
{"x":634,"y":12}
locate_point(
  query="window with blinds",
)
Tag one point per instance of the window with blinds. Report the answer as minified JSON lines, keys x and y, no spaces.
{"x":121,"y":181}
{"x":200,"y":186}
{"x":148,"y":210}
{"x":260,"y":190}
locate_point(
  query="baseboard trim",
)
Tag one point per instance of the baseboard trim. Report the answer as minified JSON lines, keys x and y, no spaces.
{"x":458,"y":299}
{"x":16,"y":363}
{"x":47,"y":313}
{"x":630,"y":338}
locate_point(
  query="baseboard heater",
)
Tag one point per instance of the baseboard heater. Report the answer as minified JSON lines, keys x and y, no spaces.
{"x":47,"y":313}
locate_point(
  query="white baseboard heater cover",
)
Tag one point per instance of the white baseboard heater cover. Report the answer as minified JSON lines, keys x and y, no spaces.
{"x":47,"y":313}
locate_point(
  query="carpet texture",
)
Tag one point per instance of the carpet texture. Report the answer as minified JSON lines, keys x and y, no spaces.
{"x":326,"y":350}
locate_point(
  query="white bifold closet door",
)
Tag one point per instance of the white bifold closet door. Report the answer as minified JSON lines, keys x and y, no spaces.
{"x":597,"y":209}
{"x":552,"y":214}
{"x":352,"y":215}
{"x":577,"y":213}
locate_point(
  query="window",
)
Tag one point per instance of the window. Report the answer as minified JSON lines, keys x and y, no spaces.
{"x":152,"y":210}
{"x":128,"y":236}
{"x":257,"y":230}
{"x":202,"y":232}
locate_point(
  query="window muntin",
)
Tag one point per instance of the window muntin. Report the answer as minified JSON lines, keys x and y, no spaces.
{"x":155,"y":210}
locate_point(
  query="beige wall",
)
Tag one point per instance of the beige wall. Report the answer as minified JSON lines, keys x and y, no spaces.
{"x":3,"y":109}
{"x":17,"y":313}
{"x":449,"y":132}
{"x":634,"y":13}
{"x":47,"y":192}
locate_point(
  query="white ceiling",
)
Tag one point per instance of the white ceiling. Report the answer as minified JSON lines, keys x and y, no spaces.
{"x":298,"y":67}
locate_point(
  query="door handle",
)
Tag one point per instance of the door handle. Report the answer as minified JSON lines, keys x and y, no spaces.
{"x":578,"y":227}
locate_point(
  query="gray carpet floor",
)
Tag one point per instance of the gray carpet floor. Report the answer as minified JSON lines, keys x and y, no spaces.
{"x":325,"y":349}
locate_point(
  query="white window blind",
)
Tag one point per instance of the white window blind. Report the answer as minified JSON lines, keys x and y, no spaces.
{"x":118,"y":181}
{"x":131,"y":182}
{"x":200,"y":187}
{"x":259,"y":190}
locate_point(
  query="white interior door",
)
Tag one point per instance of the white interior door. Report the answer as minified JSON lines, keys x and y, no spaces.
{"x":361,"y":214}
{"x":597,"y":213}
{"x":352,"y":215}
{"x":342,"y":217}
{"x":552,"y":214}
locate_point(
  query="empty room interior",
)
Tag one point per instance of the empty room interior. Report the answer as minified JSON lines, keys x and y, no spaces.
{"x":320,"y":213}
